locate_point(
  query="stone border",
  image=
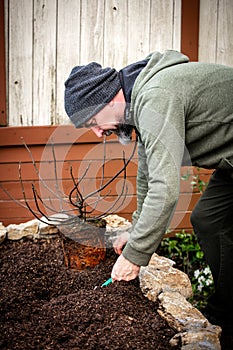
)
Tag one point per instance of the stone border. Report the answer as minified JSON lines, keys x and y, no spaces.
{"x":159,"y":281}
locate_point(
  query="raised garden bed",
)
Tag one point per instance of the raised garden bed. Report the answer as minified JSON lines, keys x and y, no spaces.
{"x":46,"y":306}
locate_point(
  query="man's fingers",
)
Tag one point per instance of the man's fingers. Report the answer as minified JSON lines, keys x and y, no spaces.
{"x":118,"y":250}
{"x":124,"y":270}
{"x":119,"y":243}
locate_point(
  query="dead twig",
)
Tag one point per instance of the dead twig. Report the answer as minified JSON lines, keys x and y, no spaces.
{"x":81,"y":207}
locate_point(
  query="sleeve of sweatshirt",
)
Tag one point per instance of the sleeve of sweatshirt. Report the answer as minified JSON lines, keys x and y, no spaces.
{"x":142,"y":182}
{"x":160,"y":120}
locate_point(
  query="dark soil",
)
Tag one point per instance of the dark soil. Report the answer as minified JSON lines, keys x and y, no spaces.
{"x":46,"y":306}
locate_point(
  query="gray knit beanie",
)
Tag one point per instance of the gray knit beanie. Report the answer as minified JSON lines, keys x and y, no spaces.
{"x":88,"y":89}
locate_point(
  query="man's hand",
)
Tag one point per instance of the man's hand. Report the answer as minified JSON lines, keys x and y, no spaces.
{"x":119,"y":243}
{"x":124,"y":270}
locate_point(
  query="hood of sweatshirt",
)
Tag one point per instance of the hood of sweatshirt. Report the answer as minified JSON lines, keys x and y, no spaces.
{"x":128,"y":75}
{"x":157,"y":62}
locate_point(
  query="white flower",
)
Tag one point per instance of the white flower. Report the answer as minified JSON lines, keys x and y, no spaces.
{"x":207,"y":271}
{"x":208,"y":282}
{"x":201,"y":279}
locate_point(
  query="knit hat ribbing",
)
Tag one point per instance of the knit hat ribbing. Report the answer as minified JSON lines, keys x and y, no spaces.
{"x":88,"y":89}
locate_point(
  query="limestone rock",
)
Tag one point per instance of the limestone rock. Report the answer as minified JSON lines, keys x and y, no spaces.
{"x":159,"y":276}
{"x":179,"y":313}
{"x":161,"y":262}
{"x":201,"y":339}
{"x":116,"y":223}
{"x":45,"y":229}
{"x":115,"y":226}
{"x":195,"y":331}
{"x":3,"y":232}
{"x":29,"y":229}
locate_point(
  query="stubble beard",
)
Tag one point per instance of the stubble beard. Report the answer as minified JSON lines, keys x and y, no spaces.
{"x":124,"y":133}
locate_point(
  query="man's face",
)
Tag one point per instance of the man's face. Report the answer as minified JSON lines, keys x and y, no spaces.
{"x":111,"y":120}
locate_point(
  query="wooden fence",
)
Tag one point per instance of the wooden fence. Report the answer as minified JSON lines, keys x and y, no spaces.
{"x":79,"y":149}
{"x":45,"y":39}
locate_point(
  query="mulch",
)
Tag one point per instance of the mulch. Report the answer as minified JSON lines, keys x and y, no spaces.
{"x":46,"y":306}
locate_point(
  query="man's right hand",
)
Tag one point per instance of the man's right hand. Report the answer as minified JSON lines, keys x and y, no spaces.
{"x":120,"y":242}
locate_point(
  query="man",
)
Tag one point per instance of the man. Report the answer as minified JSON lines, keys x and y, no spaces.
{"x":183,"y":114}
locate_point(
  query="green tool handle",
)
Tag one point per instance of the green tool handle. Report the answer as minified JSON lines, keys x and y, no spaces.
{"x":106,"y":283}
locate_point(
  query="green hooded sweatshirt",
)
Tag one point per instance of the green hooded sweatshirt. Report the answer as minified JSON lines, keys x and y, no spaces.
{"x":184,"y":113}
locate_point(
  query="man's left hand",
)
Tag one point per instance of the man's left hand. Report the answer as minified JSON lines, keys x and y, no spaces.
{"x":124,"y":270}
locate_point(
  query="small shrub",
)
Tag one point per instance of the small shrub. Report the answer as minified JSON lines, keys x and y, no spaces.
{"x":184,"y":249}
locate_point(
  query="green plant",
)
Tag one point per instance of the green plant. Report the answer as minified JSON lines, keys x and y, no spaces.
{"x":185,"y":250}
{"x":203,"y":286}
{"x":197,"y":183}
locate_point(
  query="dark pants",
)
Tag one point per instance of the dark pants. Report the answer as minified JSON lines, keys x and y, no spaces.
{"x":212,"y":220}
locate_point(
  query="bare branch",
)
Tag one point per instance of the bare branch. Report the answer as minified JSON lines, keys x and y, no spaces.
{"x":115,"y":176}
{"x":37,"y":171}
{"x":82,"y":210}
{"x":56,"y":178}
{"x":11,"y":197}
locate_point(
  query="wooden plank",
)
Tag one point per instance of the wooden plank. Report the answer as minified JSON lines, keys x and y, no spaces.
{"x":3,"y":115}
{"x":66,"y":152}
{"x":5,"y":39}
{"x":225,"y":33}
{"x":208,"y":30}
{"x":115,"y":33}
{"x":161,"y":31}
{"x":187,"y":201}
{"x":13,"y":213}
{"x":9,"y":209}
{"x":10,"y":172}
{"x":20,"y":62}
{"x":138,"y":30}
{"x":49,"y":207}
{"x":190,"y":28}
{"x":41,"y":135}
{"x":12,"y":189}
{"x":44,"y":62}
{"x":126,"y":204}
{"x":67,"y":50}
{"x":176,"y":45}
{"x":187,"y":170}
{"x":216,"y":31}
{"x":92,"y":31}
{"x":180,"y":221}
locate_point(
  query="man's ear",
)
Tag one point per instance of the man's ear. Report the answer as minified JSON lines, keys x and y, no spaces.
{"x":119,"y":97}
{"x":111,"y":103}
